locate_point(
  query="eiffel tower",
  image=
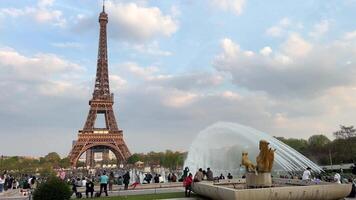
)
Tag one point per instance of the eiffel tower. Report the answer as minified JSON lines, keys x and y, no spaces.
{"x":92,"y":139}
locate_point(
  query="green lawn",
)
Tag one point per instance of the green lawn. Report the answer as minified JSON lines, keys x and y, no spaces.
{"x":146,"y":196}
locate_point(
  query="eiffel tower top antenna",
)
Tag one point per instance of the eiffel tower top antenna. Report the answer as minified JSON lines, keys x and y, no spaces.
{"x":103,"y":5}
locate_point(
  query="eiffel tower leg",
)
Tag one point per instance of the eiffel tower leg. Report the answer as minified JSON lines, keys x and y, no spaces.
{"x":105,"y":155}
{"x":111,"y":121}
{"x":89,"y":124}
{"x":89,"y":161}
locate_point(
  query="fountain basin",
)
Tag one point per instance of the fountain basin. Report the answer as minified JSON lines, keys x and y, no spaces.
{"x":236,"y":190}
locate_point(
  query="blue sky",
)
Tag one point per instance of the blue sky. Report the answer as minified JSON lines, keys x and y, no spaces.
{"x":283,"y":67}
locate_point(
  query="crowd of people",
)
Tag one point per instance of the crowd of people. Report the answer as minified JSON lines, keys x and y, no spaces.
{"x":106,"y":180}
{"x":24,"y":182}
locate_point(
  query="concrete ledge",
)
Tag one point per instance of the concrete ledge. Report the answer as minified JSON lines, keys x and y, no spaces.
{"x":311,"y":192}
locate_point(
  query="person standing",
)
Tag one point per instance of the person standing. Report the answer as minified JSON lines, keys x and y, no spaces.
{"x":306,"y":174}
{"x":120,"y":180}
{"x":2,"y":182}
{"x":187,"y":183}
{"x":89,"y":188}
{"x":174,"y":178}
{"x":104,"y":179}
{"x":156,"y":178}
{"x":126,"y":180}
{"x":111,"y":180}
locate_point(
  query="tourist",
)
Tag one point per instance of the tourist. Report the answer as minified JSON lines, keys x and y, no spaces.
{"x":353,"y":169}
{"x":187,"y":183}
{"x":156,"y":178}
{"x":2,"y":182}
{"x":185,"y":174}
{"x":174,"y":178}
{"x":337,"y":177}
{"x":306,"y":174}
{"x":104,"y":179}
{"x":221,"y":177}
{"x":89,"y":188}
{"x":209,"y":174}
{"x":199,"y":175}
{"x":160,"y":178}
{"x":126,"y":180}
{"x":84,"y":182}
{"x":148,"y":178}
{"x":74,"y":186}
{"x":137,"y":181}
{"x":33,"y":182}
{"x":169,"y":177}
{"x":111,"y":180}
{"x":120,"y":180}
{"x":229,"y":176}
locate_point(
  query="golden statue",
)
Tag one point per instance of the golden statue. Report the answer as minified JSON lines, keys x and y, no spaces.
{"x":247,"y":163}
{"x":265,"y":158}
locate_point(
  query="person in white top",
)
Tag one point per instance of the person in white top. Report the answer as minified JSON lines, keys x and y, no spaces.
{"x":2,"y":182}
{"x":306,"y":174}
{"x":337,"y":178}
{"x":84,"y":182}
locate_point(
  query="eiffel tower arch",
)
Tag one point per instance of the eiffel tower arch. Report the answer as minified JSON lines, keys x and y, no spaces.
{"x":110,"y":137}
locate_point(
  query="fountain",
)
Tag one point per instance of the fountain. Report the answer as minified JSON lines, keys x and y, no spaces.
{"x":220,"y":145}
{"x":223,"y":145}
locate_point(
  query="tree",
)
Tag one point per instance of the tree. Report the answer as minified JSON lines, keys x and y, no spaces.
{"x":53,"y":189}
{"x":299,"y":145}
{"x":133,"y":158}
{"x":318,"y":141}
{"x":345,"y":132}
{"x":53,"y":158}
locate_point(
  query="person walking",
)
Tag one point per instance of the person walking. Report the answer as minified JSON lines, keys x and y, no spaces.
{"x":187,"y":183}
{"x":126,"y":180}
{"x":104,"y":179}
{"x":137,"y":181}
{"x":89,"y":188}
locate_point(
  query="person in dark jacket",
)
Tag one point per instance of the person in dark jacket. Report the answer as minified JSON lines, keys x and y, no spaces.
{"x":89,"y":188}
{"x":126,"y":180}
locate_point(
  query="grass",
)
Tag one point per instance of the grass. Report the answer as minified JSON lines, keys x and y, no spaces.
{"x":147,"y":196}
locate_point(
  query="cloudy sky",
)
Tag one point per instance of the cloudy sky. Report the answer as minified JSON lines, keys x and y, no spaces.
{"x":287,"y":68}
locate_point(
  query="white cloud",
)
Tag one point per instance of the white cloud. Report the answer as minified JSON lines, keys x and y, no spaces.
{"x":266,"y":51}
{"x":67,"y":45}
{"x":296,"y":46}
{"x":235,"y":6}
{"x":274,"y":31}
{"x":178,"y":98}
{"x":137,"y":70}
{"x":298,"y":68}
{"x":320,"y":29}
{"x":150,"y":48}
{"x":42,"y":13}
{"x":135,"y":22}
{"x":350,"y":35}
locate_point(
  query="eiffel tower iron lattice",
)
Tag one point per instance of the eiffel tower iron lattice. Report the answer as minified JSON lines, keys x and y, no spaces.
{"x":110,"y":137}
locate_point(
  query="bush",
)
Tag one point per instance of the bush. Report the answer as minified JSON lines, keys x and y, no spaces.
{"x":52,"y":189}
